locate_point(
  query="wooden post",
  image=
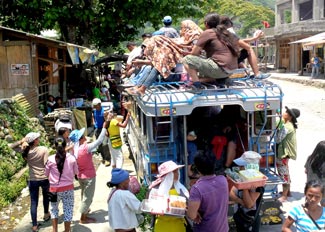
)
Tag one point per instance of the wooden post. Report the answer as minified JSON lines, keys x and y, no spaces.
{"x":64,"y":86}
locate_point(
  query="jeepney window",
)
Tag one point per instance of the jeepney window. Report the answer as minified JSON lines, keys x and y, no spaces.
{"x":259,"y":120}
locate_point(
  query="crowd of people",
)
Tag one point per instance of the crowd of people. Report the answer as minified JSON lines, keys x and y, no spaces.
{"x":213,"y":54}
{"x":73,"y":159}
{"x":198,"y":56}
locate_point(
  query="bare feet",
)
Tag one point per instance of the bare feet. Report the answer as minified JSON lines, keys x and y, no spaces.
{"x":35,"y":228}
{"x":88,"y":220}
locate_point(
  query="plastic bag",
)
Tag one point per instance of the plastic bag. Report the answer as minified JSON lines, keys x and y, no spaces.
{"x":134,"y":185}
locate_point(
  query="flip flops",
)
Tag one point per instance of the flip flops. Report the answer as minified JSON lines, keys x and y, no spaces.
{"x":47,"y":218}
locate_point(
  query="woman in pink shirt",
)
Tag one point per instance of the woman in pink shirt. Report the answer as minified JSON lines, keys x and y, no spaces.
{"x":87,"y":171}
{"x":61,"y":169}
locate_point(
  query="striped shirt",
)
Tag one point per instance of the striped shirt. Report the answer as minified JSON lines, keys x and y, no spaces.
{"x":302,"y":220}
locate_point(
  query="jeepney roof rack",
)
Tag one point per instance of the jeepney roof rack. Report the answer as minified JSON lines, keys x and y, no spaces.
{"x":181,"y":101}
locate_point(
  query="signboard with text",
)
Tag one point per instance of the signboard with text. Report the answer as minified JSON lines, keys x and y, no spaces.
{"x":20,"y":69}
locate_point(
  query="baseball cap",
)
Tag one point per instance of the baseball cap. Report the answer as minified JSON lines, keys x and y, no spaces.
{"x":96,"y":101}
{"x":248,"y":157}
{"x":167,"y":19}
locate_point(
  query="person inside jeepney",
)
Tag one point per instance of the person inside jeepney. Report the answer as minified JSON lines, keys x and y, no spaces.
{"x":221,"y":49}
{"x":247,"y":51}
{"x":167,"y":183}
{"x":192,"y":151}
{"x":224,"y":146}
{"x":164,"y":54}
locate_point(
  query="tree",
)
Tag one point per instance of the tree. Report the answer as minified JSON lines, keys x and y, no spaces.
{"x":245,"y":15}
{"x":100,"y":22}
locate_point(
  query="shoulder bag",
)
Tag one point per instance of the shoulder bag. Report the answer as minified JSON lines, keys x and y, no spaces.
{"x":312,"y":219}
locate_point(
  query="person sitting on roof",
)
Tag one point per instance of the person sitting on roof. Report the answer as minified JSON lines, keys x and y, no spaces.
{"x":221,"y":51}
{"x":135,"y":52}
{"x":167,"y":30}
{"x":163,"y":54}
{"x":246,"y":51}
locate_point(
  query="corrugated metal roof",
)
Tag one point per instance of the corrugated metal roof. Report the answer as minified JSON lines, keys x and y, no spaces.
{"x":62,"y":43}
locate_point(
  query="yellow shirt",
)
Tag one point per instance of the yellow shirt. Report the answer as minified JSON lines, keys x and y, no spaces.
{"x":114,"y":134}
{"x":114,"y":129}
{"x":170,"y":223}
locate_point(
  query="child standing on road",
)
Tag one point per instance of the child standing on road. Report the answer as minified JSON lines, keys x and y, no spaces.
{"x":61,"y":169}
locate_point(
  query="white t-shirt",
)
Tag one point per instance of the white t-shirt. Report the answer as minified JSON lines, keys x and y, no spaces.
{"x":135,"y":53}
{"x":122,"y":209}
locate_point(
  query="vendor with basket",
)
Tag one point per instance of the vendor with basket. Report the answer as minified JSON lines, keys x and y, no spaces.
{"x":248,"y":195}
{"x":166,"y":184}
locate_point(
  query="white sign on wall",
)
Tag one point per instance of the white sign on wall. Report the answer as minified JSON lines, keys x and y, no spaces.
{"x":19,"y":69}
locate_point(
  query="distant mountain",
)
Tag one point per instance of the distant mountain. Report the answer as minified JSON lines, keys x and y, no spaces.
{"x":267,"y":3}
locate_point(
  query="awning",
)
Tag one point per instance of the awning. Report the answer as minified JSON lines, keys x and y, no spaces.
{"x":314,"y":38}
{"x":322,"y":41}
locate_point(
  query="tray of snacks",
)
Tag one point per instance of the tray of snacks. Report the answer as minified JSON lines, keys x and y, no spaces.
{"x":172,"y":206}
{"x":247,"y":179}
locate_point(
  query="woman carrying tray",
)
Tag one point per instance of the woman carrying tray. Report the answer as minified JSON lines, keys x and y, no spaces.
{"x":167,"y":183}
{"x":247,"y":200}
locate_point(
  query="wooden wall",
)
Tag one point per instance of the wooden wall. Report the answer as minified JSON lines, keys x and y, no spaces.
{"x":17,"y":52}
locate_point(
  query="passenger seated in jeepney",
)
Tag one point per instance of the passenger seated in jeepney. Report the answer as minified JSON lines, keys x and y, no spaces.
{"x":164,"y":53}
{"x":247,"y":51}
{"x":221,"y":49}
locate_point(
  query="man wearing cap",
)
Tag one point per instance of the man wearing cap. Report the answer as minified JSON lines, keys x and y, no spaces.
{"x":98,"y":120}
{"x":87,"y":171}
{"x":168,"y":30}
{"x":287,"y":148}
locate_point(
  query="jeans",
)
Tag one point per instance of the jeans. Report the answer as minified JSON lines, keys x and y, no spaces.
{"x":315,"y":71}
{"x":149,"y":79}
{"x":103,"y":148}
{"x":33,"y":186}
{"x":145,"y":70}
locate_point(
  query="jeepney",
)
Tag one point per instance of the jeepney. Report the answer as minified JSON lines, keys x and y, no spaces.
{"x":158,"y":126}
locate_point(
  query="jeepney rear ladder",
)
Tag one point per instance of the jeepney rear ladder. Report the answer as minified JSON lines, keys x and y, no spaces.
{"x":263,"y":142}
{"x":159,"y":123}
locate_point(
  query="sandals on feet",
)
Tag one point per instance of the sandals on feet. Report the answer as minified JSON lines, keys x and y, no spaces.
{"x":47,"y":217}
{"x":88,"y":220}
